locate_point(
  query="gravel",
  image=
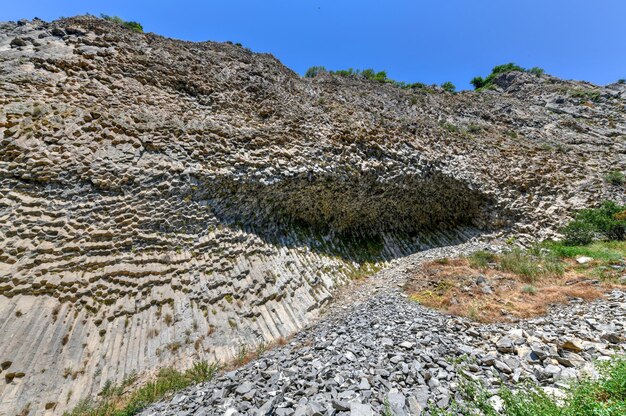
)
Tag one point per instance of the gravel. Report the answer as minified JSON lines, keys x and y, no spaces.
{"x":390,"y":353}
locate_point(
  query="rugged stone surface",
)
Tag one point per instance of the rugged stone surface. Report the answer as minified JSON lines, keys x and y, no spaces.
{"x":164,"y":201}
{"x":392,"y":350}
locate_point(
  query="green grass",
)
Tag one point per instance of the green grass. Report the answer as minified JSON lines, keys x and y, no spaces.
{"x":531,"y":264}
{"x":615,"y":178}
{"x":481,"y":259}
{"x":115,"y":401}
{"x":605,"y":396}
{"x":521,"y":263}
{"x":606,"y":251}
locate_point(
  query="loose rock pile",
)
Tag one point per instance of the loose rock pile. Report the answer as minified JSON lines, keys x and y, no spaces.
{"x":390,"y":353}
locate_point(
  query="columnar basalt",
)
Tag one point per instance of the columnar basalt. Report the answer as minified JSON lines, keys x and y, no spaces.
{"x":164,"y":201}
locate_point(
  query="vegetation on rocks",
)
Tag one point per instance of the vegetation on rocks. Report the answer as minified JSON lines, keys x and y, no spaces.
{"x":480,"y":82}
{"x":519,"y":283}
{"x":615,"y":177}
{"x":117,"y":400}
{"x":448,"y":86}
{"x":604,"y":396}
{"x":607,"y":222}
{"x":134,"y":26}
{"x":369,"y":74}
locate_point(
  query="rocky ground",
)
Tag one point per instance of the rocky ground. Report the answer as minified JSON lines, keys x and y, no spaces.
{"x":388,"y":353}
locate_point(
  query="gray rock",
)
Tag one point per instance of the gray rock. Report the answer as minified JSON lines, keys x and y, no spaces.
{"x":505,"y":345}
{"x":502,"y":367}
{"x":360,"y":409}
{"x":244,"y":388}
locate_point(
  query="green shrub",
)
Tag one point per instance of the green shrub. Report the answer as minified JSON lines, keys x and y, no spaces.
{"x":368,"y":73}
{"x":408,"y":86}
{"x":134,"y":26}
{"x":344,"y":72}
{"x":579,"y":233}
{"x":585,"y":95}
{"x":380,"y":76}
{"x":314,"y":71}
{"x":621,"y":81}
{"x":480,"y":82}
{"x":481,"y":259}
{"x":605,"y":396}
{"x":450,"y":127}
{"x":501,"y":69}
{"x":448,"y":86}
{"x":615,"y":178}
{"x":607,"y":222}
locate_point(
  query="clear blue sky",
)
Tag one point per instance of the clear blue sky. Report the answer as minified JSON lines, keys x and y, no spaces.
{"x":414,"y":40}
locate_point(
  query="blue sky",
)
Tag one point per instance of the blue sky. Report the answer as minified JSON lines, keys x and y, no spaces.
{"x":419,"y":40}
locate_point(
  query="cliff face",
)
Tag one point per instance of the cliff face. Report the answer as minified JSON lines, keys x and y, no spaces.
{"x":164,"y":201}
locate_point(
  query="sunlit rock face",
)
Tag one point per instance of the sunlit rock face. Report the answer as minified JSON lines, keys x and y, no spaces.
{"x":163,"y":202}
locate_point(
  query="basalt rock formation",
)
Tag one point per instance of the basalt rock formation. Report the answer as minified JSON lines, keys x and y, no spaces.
{"x":164,"y":201}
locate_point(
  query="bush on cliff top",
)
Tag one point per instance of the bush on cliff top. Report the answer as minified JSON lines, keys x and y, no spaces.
{"x":448,"y":86}
{"x":369,"y":73}
{"x":134,"y":26}
{"x":480,"y":82}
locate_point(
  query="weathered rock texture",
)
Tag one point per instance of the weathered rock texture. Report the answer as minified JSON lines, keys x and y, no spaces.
{"x":164,"y":201}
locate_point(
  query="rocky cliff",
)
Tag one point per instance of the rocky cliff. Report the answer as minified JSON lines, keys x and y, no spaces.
{"x":164,"y":201}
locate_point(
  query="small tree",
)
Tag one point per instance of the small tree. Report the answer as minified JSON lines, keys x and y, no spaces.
{"x":134,"y":26}
{"x":448,"y":86}
{"x":478,"y":82}
{"x":369,"y":73}
{"x":314,"y":71}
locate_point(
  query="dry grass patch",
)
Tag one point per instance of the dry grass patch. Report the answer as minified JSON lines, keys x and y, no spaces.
{"x":245,"y":354}
{"x":494,"y":288}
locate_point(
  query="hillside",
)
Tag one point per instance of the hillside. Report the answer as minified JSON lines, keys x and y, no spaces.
{"x":164,"y":201}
